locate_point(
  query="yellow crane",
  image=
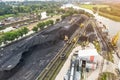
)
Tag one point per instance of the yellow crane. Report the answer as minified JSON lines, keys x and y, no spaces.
{"x":115,"y":39}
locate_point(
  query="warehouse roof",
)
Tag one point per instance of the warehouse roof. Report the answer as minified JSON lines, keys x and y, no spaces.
{"x":87,"y":52}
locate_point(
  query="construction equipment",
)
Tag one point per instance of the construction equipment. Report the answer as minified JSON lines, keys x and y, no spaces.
{"x":115,"y":39}
{"x":66,"y":38}
{"x":74,"y":39}
{"x":81,"y":25}
{"x":72,"y":20}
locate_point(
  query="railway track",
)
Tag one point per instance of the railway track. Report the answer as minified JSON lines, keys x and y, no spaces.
{"x":105,"y":46}
{"x":51,"y":68}
{"x":56,"y":61}
{"x":109,"y":45}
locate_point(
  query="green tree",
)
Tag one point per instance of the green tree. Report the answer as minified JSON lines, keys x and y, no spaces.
{"x":1,"y":40}
{"x":9,"y":36}
{"x":41,"y":25}
{"x":57,"y":20}
{"x":20,"y":33}
{"x":47,"y":23}
{"x":35,"y":29}
{"x":25,"y":30}
{"x":51,"y":22}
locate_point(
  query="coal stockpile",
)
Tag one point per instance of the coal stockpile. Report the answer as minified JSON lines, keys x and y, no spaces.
{"x":90,"y":34}
{"x":25,"y":59}
{"x":89,"y":29}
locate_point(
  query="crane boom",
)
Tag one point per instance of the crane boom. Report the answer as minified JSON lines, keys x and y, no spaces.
{"x":115,"y":39}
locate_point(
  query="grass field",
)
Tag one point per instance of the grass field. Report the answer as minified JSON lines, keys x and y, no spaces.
{"x":107,"y":76}
{"x":89,"y":6}
{"x":111,"y":11}
{"x":6,"y":16}
{"x":12,"y":15}
{"x":112,"y":17}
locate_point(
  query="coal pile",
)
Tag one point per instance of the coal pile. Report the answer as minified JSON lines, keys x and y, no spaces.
{"x":24,"y":60}
{"x":90,"y":34}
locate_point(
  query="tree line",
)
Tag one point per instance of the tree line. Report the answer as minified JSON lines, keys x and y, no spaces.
{"x":12,"y":35}
{"x":23,"y":8}
{"x":71,"y":11}
{"x":42,"y":25}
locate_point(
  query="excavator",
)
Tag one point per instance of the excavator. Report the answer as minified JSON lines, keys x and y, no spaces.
{"x":115,"y":39}
{"x":74,"y":39}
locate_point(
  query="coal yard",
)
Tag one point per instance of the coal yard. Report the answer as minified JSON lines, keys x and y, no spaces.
{"x":26,"y":58}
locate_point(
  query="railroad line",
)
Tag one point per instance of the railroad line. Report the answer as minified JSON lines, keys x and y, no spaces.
{"x":49,"y":71}
{"x":105,"y":45}
{"x":55,"y":63}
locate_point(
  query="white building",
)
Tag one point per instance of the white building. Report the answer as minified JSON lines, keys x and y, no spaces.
{"x":44,"y":15}
{"x":83,"y":59}
{"x":88,"y":58}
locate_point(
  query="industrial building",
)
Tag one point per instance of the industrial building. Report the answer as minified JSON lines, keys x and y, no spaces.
{"x":82,"y":61}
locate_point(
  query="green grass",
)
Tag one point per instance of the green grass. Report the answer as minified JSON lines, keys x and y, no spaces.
{"x":107,"y":76}
{"x":107,"y":13}
{"x":12,"y":15}
{"x":89,"y":6}
{"x":112,"y":17}
{"x":6,"y":16}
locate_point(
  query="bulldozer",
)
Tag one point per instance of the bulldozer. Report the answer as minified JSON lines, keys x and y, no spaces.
{"x":115,"y":39}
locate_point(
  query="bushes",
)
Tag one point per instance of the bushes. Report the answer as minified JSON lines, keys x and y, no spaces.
{"x":35,"y":29}
{"x":65,"y":15}
{"x":107,"y":76}
{"x":49,"y":22}
{"x":71,"y":12}
{"x":41,"y":25}
{"x":57,"y":20}
{"x":10,"y":36}
{"x":1,"y":40}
